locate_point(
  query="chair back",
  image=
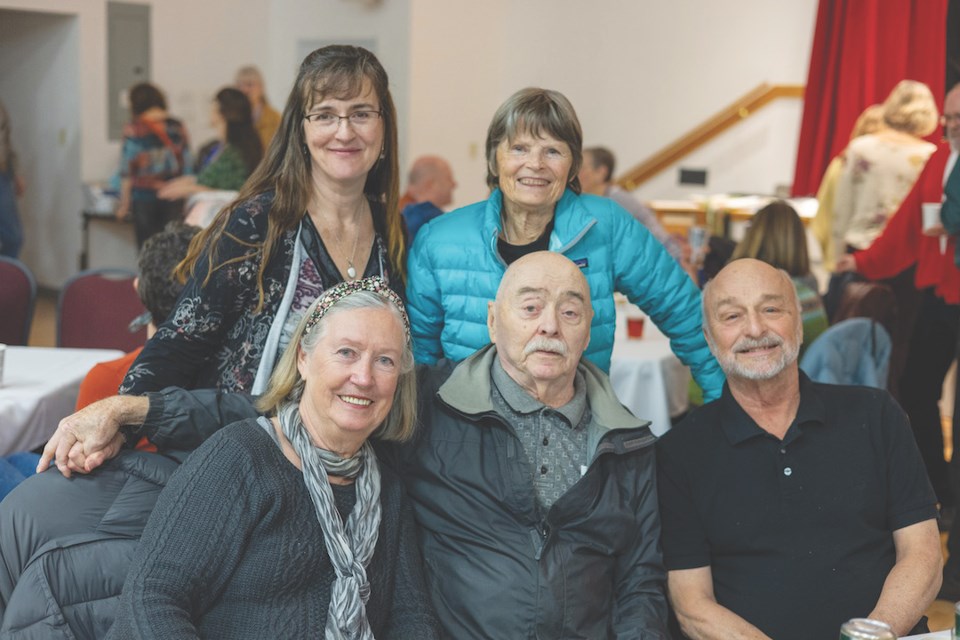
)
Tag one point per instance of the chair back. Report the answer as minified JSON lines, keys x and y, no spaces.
{"x":853,"y":351}
{"x":18,"y":296}
{"x":873,"y":300}
{"x":95,"y":309}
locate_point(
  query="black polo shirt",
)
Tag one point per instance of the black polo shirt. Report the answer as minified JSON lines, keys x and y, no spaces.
{"x":797,"y":533}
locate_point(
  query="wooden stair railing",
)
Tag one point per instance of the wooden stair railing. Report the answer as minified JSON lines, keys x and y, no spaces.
{"x":711,"y":128}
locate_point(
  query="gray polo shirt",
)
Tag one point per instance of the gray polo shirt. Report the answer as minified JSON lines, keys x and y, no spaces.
{"x":554,"y":440}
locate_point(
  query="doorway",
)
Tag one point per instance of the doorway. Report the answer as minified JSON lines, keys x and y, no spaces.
{"x":40,"y":86}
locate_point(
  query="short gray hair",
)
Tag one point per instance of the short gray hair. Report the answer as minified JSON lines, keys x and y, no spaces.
{"x":535,"y":111}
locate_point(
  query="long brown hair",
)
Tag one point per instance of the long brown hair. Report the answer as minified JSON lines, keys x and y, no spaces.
{"x":237,"y":113}
{"x":776,"y":236}
{"x":339,"y":71}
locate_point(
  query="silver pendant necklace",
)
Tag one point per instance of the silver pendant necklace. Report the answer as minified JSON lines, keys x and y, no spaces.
{"x":351,"y":270}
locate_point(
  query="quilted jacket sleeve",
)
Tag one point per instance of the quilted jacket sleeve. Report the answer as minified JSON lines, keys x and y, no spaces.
{"x":423,"y":301}
{"x":654,"y":281}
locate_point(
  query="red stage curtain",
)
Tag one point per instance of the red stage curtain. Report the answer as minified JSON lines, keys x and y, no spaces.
{"x":861,"y":49}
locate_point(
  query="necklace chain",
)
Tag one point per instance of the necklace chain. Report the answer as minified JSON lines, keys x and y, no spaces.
{"x":351,"y":269}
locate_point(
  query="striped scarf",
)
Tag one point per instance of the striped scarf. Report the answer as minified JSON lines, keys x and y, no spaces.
{"x":350,"y":547}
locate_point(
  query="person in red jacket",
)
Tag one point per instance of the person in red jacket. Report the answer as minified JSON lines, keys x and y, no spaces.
{"x":905,"y":243}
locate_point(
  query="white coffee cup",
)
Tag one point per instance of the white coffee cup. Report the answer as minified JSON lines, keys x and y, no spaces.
{"x":931,"y":216}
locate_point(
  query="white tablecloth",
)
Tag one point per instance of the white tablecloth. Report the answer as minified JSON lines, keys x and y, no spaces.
{"x":938,"y":635}
{"x":647,"y":377}
{"x":38,"y":389}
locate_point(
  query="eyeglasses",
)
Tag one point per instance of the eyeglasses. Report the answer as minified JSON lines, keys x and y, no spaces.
{"x":357,"y":119}
{"x":950,"y":117}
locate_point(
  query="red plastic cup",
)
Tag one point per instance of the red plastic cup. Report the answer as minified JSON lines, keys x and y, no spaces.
{"x":635,"y":327}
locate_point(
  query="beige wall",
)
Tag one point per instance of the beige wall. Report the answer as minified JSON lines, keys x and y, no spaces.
{"x":639,"y":72}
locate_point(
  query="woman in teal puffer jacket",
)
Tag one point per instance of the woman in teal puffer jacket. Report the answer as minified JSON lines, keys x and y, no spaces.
{"x":533,"y":156}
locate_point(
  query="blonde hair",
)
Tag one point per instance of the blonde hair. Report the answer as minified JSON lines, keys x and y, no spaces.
{"x":286,"y":383}
{"x":776,"y":236}
{"x":910,"y":108}
{"x":870,"y":121}
{"x":250,"y":72}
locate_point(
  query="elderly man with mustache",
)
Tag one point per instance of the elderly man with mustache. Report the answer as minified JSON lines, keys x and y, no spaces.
{"x":789,"y":507}
{"x":532,"y":486}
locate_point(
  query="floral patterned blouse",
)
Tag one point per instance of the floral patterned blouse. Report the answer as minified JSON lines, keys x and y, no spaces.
{"x":214,"y":338}
{"x":878,"y":174}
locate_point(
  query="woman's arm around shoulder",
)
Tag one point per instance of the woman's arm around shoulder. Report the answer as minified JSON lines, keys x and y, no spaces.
{"x":649,"y":276}
{"x":209,"y":306}
{"x":424,"y":303}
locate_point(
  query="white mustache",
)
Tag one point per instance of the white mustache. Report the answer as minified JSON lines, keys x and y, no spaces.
{"x":545,"y":344}
{"x":746,"y":344}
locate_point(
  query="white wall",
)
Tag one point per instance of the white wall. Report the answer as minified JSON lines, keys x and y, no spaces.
{"x":291,"y":22}
{"x":458,"y":77}
{"x":640,"y":74}
{"x":195,"y":48}
{"x":756,"y":156}
{"x":191,"y":58}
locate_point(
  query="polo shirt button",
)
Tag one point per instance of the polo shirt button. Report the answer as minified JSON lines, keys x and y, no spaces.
{"x":784,"y":450}
{"x":543,"y":469}
{"x":787,"y":471}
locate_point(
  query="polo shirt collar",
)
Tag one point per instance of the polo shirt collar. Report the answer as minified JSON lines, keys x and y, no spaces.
{"x":739,"y":427}
{"x":522,"y":402}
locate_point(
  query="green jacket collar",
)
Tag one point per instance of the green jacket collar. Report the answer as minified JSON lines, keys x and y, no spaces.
{"x":467,"y":390}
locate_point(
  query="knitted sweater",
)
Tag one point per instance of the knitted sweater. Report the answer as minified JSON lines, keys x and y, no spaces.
{"x":234,"y":550}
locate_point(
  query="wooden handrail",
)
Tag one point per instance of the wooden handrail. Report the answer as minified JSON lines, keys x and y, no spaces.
{"x":731,"y":115}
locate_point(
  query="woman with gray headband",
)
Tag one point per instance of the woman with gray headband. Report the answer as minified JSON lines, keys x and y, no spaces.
{"x":287,"y":526}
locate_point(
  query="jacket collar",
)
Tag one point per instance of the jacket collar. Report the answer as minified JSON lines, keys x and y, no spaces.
{"x":571,"y":221}
{"x":467,"y":390}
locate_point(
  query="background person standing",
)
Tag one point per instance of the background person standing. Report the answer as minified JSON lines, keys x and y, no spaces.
{"x":12,"y":187}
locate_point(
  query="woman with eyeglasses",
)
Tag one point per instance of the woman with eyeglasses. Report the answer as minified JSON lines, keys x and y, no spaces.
{"x":320,"y":209}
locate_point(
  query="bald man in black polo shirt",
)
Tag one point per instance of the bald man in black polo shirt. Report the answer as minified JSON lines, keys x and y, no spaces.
{"x":789,"y":507}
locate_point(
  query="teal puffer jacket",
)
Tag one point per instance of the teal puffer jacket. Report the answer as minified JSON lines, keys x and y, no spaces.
{"x":454,"y":269}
